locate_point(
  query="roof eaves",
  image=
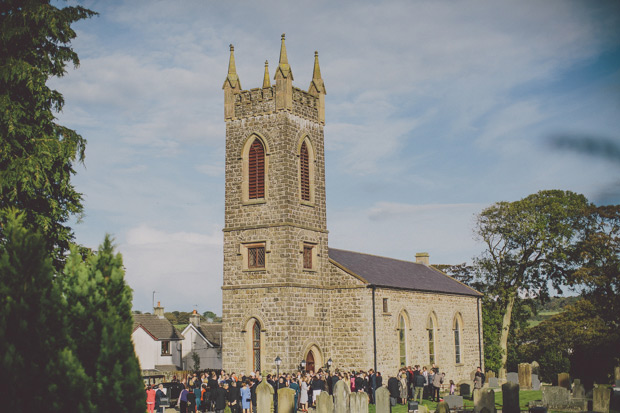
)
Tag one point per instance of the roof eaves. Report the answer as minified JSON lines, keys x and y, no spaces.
{"x":348,"y":271}
{"x":454,"y":279}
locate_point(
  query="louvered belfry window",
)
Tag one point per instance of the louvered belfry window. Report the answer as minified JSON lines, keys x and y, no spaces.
{"x":305,"y":172}
{"x":256,"y":170}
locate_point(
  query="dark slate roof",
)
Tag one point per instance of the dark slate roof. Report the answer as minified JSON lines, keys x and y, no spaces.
{"x":392,"y":273}
{"x":212,"y":332}
{"x":159,"y":328}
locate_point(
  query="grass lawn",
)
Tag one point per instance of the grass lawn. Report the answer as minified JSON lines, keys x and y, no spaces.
{"x":525,"y":397}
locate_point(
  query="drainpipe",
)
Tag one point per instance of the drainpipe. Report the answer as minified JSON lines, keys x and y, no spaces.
{"x":374,"y":324}
{"x":479,"y":339}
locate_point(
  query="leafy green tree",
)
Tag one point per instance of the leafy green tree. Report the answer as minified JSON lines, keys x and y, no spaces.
{"x":37,"y":154}
{"x":40,"y":372}
{"x":101,"y":326}
{"x":527,"y":244}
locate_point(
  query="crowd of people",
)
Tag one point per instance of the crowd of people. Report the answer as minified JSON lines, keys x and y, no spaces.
{"x":214,"y":391}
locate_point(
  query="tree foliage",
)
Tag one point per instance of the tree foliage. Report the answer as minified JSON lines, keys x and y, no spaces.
{"x":40,"y":371}
{"x":37,"y":154}
{"x":101,"y":326}
{"x":527,"y":246}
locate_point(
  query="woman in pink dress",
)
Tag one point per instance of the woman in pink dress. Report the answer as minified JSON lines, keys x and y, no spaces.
{"x":150,"y":399}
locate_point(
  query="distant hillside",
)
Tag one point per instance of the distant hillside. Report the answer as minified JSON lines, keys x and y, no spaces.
{"x":554,"y":306}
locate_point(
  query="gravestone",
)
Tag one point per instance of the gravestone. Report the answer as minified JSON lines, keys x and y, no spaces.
{"x":422,"y":409}
{"x":600,"y":399}
{"x":489,"y":375}
{"x":465,"y":388}
{"x":340,"y":397}
{"x":486,"y":400}
{"x":555,"y":397}
{"x":286,"y":401}
{"x":525,"y":376}
{"x":454,"y":401}
{"x":477,"y":394}
{"x":510,"y":396}
{"x":617,"y":373}
{"x":358,"y":402}
{"x":579,"y":392}
{"x":535,"y":368}
{"x":535,"y":382}
{"x":324,"y":403}
{"x":512,"y":378}
{"x":264,"y":397}
{"x":493,"y":383}
{"x":382,"y":400}
{"x":564,"y":380}
{"x":442,"y":407}
{"x":502,"y":374}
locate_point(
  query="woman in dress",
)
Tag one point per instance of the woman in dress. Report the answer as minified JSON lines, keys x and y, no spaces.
{"x":303,"y":397}
{"x":246,"y":397}
{"x":402,"y":377}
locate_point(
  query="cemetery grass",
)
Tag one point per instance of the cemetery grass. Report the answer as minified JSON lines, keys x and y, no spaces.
{"x":525,"y":396}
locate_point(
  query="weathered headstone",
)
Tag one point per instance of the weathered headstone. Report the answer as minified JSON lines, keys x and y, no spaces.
{"x":341,"y":391}
{"x":264,"y":397}
{"x":502,"y":374}
{"x":617,"y":373}
{"x":525,"y":376}
{"x":476,"y":395}
{"x":358,"y":402}
{"x":512,"y":378}
{"x":493,"y":383}
{"x":579,"y":392}
{"x":535,"y":368}
{"x":535,"y":382}
{"x":489,"y":374}
{"x":324,"y":403}
{"x":422,"y":409}
{"x":465,"y":388}
{"x":564,"y":380}
{"x":600,"y":399}
{"x":286,"y":401}
{"x":486,"y":400}
{"x":442,"y":407}
{"x":382,"y":400}
{"x":454,"y":401}
{"x":555,"y":397}
{"x":510,"y":396}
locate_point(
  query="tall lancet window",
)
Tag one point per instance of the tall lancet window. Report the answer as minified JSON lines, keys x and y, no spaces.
{"x":402,"y":343}
{"x":304,"y":161}
{"x":431,"y":340}
{"x":256,"y":346}
{"x":256,"y":170}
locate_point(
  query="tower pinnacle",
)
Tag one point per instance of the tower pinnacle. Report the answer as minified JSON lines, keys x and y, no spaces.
{"x":232,"y":77}
{"x":266,"y":81}
{"x":317,"y":87}
{"x":283,"y":67}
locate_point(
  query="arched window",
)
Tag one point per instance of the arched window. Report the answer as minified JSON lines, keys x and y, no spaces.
{"x":402,"y":343}
{"x":457,"y":338}
{"x":304,"y":171}
{"x":256,"y":170}
{"x":256,"y":346}
{"x":431,"y":340}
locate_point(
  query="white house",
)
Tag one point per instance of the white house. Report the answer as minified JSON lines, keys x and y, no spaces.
{"x":158,"y":344}
{"x":205,"y":341}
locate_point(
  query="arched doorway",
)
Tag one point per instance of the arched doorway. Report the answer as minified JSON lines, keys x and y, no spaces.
{"x":310,"y":362}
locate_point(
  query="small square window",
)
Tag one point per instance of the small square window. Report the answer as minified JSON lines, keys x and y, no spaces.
{"x":256,"y":256}
{"x":165,"y":348}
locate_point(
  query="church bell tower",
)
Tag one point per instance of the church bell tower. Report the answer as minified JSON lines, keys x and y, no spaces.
{"x":275,"y":230}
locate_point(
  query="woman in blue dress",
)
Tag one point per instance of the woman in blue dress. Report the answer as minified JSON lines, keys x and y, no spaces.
{"x":246,"y":398}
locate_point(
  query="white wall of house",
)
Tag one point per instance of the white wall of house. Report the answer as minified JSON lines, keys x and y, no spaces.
{"x":210,"y":357}
{"x":148,"y":350}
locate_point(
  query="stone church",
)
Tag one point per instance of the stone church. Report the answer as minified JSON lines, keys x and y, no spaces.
{"x":286,"y":293}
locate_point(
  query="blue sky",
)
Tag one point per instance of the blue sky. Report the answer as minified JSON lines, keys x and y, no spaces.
{"x":434,"y":111}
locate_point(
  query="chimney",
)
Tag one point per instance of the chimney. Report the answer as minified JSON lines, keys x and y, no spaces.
{"x":422,"y":258}
{"x":194,"y":318}
{"x":159,"y":310}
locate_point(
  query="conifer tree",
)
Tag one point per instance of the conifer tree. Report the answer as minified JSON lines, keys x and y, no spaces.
{"x":39,"y":371}
{"x":100,"y":310}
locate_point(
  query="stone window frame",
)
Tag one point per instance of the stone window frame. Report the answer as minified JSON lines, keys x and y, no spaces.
{"x":402,"y":329}
{"x":302,"y":250}
{"x":245,"y":181}
{"x":431,"y":340}
{"x":312,"y":170}
{"x":457,"y":329}
{"x":248,"y":330}
{"x":244,"y":252}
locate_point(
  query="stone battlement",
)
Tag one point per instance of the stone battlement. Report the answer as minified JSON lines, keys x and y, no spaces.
{"x":261,"y":101}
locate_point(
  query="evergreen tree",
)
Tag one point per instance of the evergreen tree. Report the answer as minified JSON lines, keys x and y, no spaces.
{"x":36,"y":153}
{"x":100,"y":310}
{"x":40,"y":372}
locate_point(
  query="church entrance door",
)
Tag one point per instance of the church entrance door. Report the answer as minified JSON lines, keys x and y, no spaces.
{"x":310,"y":362}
